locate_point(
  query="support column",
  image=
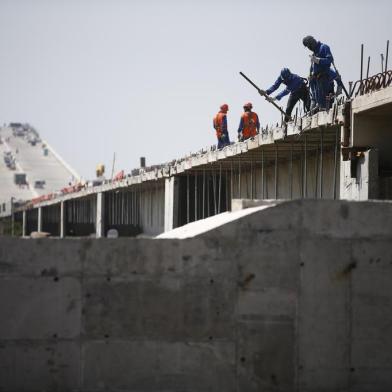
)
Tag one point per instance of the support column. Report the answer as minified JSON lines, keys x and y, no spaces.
{"x":39,"y":221}
{"x":62,"y":220}
{"x":171,"y":203}
{"x":24,"y":223}
{"x":99,"y":221}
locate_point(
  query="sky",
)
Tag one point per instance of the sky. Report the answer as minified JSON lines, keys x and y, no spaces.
{"x":145,"y":77}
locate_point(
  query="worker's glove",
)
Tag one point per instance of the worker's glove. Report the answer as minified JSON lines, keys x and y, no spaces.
{"x":262,"y":92}
{"x":272,"y":99}
{"x":240,"y":137}
{"x":339,"y":90}
{"x":314,"y":59}
{"x":222,"y":137}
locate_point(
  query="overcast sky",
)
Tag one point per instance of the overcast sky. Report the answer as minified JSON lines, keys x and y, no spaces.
{"x":144,"y":78}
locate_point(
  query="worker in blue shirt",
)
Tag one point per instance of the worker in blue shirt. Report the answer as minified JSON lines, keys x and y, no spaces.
{"x":295,"y":86}
{"x":321,"y":60}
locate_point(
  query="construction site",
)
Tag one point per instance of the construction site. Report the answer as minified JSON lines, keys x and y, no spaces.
{"x":257,"y":265}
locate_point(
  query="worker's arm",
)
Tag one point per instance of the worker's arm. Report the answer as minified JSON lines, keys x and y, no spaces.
{"x":224,"y":125}
{"x":241,"y":126}
{"x":275,"y":86}
{"x":282,"y":94}
{"x":325,"y":55}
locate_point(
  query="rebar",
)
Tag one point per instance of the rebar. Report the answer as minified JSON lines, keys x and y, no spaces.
{"x":219,"y":188}
{"x":276,"y":172}
{"x":335,"y":164}
{"x":321,"y":161}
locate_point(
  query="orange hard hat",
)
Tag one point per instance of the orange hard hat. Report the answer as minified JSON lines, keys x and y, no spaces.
{"x":248,"y":105}
{"x":224,"y":107}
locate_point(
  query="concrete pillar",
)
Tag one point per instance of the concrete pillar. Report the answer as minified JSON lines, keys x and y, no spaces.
{"x":39,"y":225}
{"x":24,"y":223}
{"x":171,"y":203}
{"x":360,"y":182}
{"x":99,"y":226}
{"x":62,"y":220}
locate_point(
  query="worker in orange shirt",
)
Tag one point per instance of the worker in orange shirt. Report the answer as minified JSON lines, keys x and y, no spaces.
{"x":249,"y":124}
{"x":220,"y":125}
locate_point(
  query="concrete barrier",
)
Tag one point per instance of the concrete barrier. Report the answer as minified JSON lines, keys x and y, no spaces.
{"x":293,"y":297}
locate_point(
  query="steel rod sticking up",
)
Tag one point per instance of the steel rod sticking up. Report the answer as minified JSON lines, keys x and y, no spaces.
{"x":361,"y":65}
{"x":368,"y":66}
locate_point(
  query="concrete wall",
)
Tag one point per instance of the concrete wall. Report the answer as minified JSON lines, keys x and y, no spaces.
{"x":295,"y":297}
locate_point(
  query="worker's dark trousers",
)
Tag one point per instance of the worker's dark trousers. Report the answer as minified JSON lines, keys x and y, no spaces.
{"x":301,"y":94}
{"x":320,"y":86}
{"x":224,"y":141}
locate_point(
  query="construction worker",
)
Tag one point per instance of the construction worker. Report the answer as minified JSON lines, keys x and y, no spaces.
{"x":249,"y":124}
{"x":321,"y":60}
{"x":220,"y":125}
{"x":295,"y":86}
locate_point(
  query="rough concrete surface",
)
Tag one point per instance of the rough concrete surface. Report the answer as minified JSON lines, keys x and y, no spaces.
{"x":295,"y":297}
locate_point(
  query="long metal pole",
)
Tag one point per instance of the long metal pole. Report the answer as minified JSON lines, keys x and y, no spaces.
{"x":386,"y":57}
{"x":335,"y":164}
{"x":321,"y":161}
{"x":368,"y":67}
{"x":361,"y":64}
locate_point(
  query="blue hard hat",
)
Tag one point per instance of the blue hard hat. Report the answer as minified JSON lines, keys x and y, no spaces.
{"x":285,"y":73}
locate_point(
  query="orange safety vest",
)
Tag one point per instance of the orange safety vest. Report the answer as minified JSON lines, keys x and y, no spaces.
{"x":218,"y":120}
{"x":250,"y":120}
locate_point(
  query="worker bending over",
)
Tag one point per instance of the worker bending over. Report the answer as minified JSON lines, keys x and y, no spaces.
{"x":249,"y":124}
{"x":220,"y":125}
{"x":295,"y":86}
